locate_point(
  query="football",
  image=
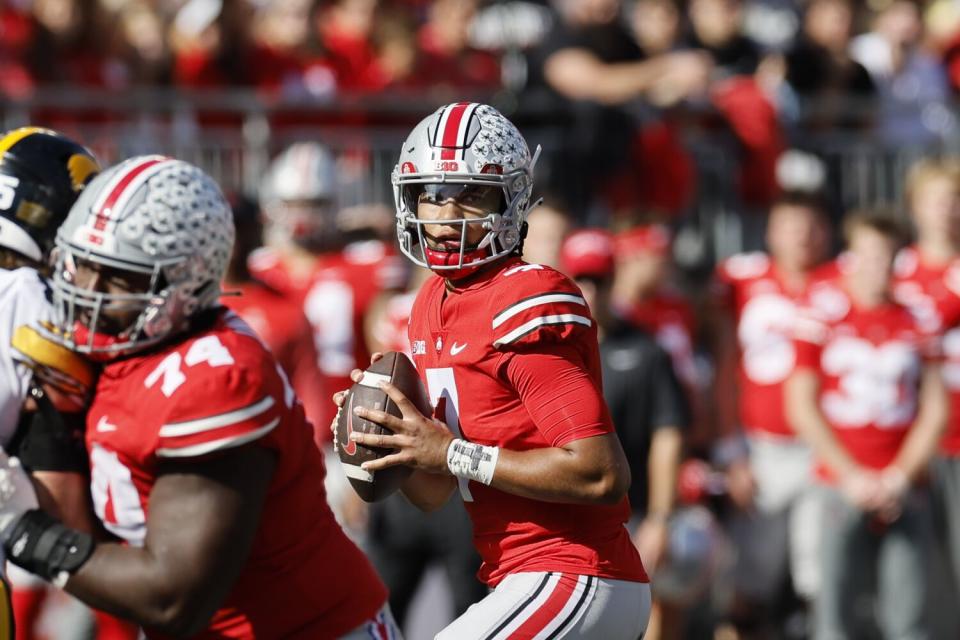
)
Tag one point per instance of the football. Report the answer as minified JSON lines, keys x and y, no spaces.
{"x":396,"y":368}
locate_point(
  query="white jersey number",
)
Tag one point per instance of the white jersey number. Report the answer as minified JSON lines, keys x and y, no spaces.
{"x":329,"y":308}
{"x":442,"y":388}
{"x":115,"y":497}
{"x":878,"y":384}
{"x":765,"y":338}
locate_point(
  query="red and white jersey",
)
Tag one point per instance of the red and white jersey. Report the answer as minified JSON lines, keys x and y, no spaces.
{"x":869,"y":362}
{"x":466,"y":346}
{"x":763,"y":307}
{"x":669,"y":318}
{"x":281,"y":325}
{"x":215,"y":390}
{"x":335,"y":297}
{"x":932,"y":293}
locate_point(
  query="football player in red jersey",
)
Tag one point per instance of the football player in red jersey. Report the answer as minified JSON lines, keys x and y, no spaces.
{"x":927,"y":280}
{"x":867,"y":394}
{"x":201,"y":460}
{"x":769,"y":469}
{"x":309,"y":260}
{"x":508,"y":353}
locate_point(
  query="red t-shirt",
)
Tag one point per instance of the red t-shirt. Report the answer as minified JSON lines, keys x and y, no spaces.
{"x":213,"y":391}
{"x":752,"y":289}
{"x":869,"y":362}
{"x":512,"y":361}
{"x":932,"y":293}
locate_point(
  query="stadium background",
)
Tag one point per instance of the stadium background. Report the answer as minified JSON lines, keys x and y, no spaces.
{"x":228,"y":84}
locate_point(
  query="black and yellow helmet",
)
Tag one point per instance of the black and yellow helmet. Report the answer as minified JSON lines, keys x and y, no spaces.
{"x":41,"y":174}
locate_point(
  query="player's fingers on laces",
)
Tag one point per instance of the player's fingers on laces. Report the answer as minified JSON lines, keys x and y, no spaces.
{"x":381,"y":440}
{"x":356,"y":375}
{"x":339,"y":398}
{"x":380,"y":417}
{"x":407,"y":408}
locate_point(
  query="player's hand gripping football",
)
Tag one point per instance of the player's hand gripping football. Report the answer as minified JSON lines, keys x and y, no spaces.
{"x":421,"y":442}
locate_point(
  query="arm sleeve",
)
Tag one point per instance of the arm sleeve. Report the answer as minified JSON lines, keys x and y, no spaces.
{"x":559,"y":394}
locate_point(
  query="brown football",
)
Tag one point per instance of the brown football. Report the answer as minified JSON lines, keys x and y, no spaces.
{"x":397,"y":368}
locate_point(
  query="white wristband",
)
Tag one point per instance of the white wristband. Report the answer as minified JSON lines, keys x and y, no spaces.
{"x":472,"y":461}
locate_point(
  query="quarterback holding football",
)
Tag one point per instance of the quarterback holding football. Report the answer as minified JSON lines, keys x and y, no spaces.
{"x":508,"y":354}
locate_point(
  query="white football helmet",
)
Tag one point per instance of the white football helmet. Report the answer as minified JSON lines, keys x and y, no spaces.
{"x":150,"y":215}
{"x":298,"y":196}
{"x":461,"y":146}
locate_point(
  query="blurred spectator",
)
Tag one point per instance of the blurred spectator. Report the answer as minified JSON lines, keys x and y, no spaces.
{"x":588,"y":67}
{"x":768,"y":470}
{"x":277,"y":320}
{"x":547,"y":226}
{"x":144,"y":48}
{"x":73,"y":44}
{"x":648,"y":407}
{"x":867,"y":394}
{"x":927,"y":280}
{"x":17,"y":33}
{"x":641,"y":294}
{"x":447,"y":58}
{"x":657,"y":26}
{"x":716,"y":29}
{"x":911,"y":84}
{"x":214,"y":47}
{"x":347,"y":29}
{"x":819,"y":66}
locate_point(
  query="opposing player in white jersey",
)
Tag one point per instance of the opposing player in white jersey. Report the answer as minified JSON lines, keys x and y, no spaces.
{"x":41,"y":385}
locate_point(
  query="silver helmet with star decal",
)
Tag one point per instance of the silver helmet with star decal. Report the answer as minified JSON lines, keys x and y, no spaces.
{"x":461,"y":151}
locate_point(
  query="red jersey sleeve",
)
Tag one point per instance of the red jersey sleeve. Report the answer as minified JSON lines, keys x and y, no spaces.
{"x":809,"y":336}
{"x":559,"y":394}
{"x":538,"y":305}
{"x":234,"y":397}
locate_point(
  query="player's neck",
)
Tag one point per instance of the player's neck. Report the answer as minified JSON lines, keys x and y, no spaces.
{"x":937,"y":251}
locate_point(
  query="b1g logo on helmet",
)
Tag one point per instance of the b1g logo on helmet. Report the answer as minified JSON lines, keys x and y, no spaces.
{"x":446,"y":165}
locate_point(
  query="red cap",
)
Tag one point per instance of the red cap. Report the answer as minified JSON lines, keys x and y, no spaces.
{"x":587,"y":253}
{"x":654,"y":238}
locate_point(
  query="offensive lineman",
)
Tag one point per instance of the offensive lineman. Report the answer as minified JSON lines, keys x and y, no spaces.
{"x":508,"y":352}
{"x":201,"y":460}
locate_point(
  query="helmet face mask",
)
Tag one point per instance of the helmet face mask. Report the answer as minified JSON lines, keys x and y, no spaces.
{"x":461,"y":152}
{"x":159,"y":223}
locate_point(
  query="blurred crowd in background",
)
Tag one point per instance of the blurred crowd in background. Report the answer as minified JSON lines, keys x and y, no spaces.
{"x":673,"y":133}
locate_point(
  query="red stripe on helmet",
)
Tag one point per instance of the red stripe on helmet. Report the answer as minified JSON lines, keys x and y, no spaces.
{"x":449,"y":140}
{"x":105,"y":212}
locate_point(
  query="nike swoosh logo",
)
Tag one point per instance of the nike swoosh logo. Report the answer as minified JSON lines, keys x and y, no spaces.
{"x":103,"y":425}
{"x":457,"y":348}
{"x":349,"y":447}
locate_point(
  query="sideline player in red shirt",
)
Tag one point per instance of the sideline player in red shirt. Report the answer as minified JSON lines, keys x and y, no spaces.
{"x":867,"y":394}
{"x":202,"y":463}
{"x":508,"y":352}
{"x":927,"y":280}
{"x":769,"y":470}
{"x":309,"y":260}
